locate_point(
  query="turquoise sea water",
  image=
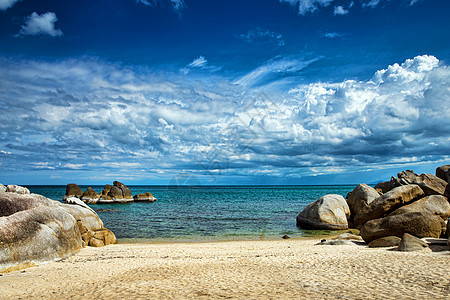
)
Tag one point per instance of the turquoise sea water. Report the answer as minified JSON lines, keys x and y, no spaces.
{"x":199,"y":213}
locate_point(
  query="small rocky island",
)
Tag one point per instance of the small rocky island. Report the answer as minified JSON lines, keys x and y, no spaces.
{"x":398,"y":212}
{"x":116,"y":193}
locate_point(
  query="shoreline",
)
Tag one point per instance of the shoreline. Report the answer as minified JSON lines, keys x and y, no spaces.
{"x":292,"y":269}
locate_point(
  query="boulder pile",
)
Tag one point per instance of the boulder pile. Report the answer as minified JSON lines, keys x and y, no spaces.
{"x":389,"y":213}
{"x":35,"y":229}
{"x":116,"y":193}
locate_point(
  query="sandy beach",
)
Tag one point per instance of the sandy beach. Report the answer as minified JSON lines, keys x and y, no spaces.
{"x":296,"y":269}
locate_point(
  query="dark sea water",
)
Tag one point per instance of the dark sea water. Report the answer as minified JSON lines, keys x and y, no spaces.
{"x":202,"y":213}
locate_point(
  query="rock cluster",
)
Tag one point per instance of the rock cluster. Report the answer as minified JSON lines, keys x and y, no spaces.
{"x":116,"y":193}
{"x":36,"y":229}
{"x":394,"y":213}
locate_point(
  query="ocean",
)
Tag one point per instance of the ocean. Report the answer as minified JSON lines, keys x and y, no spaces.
{"x":207,"y":213}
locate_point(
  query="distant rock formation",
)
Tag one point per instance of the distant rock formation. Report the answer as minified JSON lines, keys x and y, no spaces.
{"x":36,"y":229}
{"x":116,"y":193}
{"x":73,"y":190}
{"x":146,"y":197}
{"x":90,"y":196}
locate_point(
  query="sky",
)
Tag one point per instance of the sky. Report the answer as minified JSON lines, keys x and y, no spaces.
{"x":222,"y":92}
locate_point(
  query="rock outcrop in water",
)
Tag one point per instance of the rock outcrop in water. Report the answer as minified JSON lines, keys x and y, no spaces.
{"x":35,"y":229}
{"x":116,"y":193}
{"x":412,"y":204}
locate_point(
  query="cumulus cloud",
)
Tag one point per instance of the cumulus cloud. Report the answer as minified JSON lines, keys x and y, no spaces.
{"x":5,"y":4}
{"x":43,"y":24}
{"x":262,"y":35}
{"x":91,"y":115}
{"x":340,"y":10}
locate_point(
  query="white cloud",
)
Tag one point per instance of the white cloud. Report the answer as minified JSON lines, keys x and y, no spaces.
{"x":371,"y":3}
{"x":332,"y":35}
{"x":308,"y":6}
{"x":200,"y":63}
{"x":339,"y":10}
{"x":260,"y":34}
{"x":43,"y":24}
{"x":277,"y":66}
{"x":5,"y":4}
{"x":176,"y":4}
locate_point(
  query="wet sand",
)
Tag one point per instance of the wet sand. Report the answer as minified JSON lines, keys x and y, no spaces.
{"x":296,"y":269}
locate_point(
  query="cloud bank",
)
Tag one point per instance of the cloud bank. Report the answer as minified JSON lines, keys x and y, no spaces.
{"x":89,"y":115}
{"x":44,"y":24}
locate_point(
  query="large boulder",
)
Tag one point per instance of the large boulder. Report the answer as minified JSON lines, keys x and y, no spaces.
{"x":17,"y":189}
{"x":406,"y":177}
{"x":443,"y":172}
{"x":386,"y":186}
{"x":416,"y":223}
{"x":73,"y":190}
{"x":435,"y":205}
{"x":147,"y":197}
{"x":126,"y":193}
{"x":104,"y":194}
{"x":90,"y":196}
{"x":327,"y":212}
{"x":431,"y":184}
{"x":2,"y":188}
{"x":360,"y":197}
{"x":411,"y":243}
{"x":448,"y":232}
{"x":388,"y":202}
{"x":35,"y":229}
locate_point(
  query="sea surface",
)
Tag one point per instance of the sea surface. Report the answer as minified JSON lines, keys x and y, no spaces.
{"x":207,"y":213}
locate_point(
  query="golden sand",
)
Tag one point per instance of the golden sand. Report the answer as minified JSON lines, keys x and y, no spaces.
{"x":296,"y":269}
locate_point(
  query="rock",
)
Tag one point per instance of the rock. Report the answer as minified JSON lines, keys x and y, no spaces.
{"x":406,"y":177}
{"x":327,"y":212}
{"x":443,"y":172}
{"x":348,"y":236}
{"x":387,"y":203}
{"x":285,"y":237}
{"x":90,"y":196}
{"x":144,"y":197}
{"x":126,"y":193}
{"x":411,"y":243}
{"x":431,"y":184}
{"x":360,"y":197}
{"x":435,"y":205}
{"x":117,"y":193}
{"x":2,"y":188}
{"x":415,"y":223}
{"x":386,"y":186}
{"x":17,"y":189}
{"x":387,"y":241}
{"x":35,"y":229}
{"x":104,"y":193}
{"x":448,"y":232}
{"x":102,"y":237}
{"x":73,"y":190}
{"x":336,"y":242}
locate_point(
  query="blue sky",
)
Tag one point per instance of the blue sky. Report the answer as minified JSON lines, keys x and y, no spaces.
{"x":222,"y":92}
